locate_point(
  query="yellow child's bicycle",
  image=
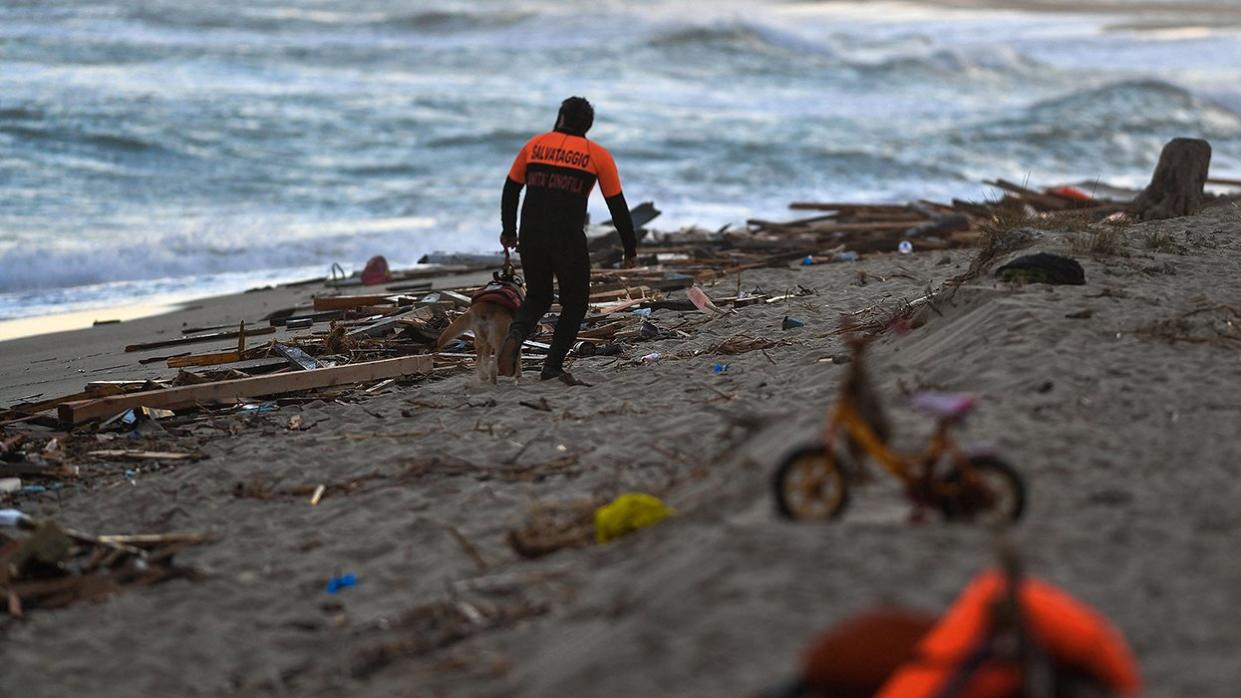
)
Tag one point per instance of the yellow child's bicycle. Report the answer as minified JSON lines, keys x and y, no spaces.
{"x":813,"y":481}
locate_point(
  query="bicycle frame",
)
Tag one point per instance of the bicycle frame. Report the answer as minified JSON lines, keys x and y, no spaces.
{"x":844,"y":416}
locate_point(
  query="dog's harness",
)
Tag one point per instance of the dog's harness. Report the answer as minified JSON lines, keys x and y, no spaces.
{"x":505,"y":287}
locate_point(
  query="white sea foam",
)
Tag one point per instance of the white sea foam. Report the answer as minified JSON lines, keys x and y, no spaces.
{"x":153,"y":148}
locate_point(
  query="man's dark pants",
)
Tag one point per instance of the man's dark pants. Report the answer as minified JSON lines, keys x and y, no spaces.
{"x":565,"y":258}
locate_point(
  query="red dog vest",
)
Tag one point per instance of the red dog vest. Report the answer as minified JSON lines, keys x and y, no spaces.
{"x":505,"y":293}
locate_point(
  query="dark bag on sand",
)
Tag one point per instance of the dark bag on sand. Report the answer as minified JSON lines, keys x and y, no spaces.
{"x":1043,"y":268}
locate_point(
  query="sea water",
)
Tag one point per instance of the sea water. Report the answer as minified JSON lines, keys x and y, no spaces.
{"x":170,"y":148}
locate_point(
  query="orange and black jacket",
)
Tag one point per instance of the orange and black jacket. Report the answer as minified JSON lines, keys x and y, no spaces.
{"x":559,"y":170}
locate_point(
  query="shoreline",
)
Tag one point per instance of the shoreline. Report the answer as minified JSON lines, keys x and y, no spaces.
{"x":20,"y":328}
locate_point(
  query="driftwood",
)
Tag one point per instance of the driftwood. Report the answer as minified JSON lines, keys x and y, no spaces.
{"x":1176,"y":188}
{"x":198,"y":338}
{"x":188,"y":396}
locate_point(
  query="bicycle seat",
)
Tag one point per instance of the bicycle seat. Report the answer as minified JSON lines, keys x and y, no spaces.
{"x":944,"y":405}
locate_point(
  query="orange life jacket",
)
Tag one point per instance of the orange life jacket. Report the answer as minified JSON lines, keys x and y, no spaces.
{"x":1072,"y":634}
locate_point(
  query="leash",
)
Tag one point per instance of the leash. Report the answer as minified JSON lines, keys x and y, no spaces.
{"x":507,"y":272}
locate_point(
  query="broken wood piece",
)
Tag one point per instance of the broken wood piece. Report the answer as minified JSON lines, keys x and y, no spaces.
{"x":1047,"y":201}
{"x":149,"y":539}
{"x":380,"y":328}
{"x":196,"y":338}
{"x":831,"y":206}
{"x":213,"y":359}
{"x":380,"y":386}
{"x":624,"y":292}
{"x":323,"y":303}
{"x":120,"y":454}
{"x":461,"y":300}
{"x":623,"y":305}
{"x":192,"y":395}
{"x":296,"y":357}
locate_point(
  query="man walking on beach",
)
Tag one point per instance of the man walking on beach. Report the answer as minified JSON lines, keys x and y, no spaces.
{"x":560,"y":169}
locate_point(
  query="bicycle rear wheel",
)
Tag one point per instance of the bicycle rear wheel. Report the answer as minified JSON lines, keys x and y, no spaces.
{"x":810,"y":485}
{"x":993,"y":494}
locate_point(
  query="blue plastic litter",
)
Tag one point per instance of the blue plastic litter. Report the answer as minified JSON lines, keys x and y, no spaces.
{"x":807,"y":261}
{"x":33,"y":489}
{"x":642,"y":312}
{"x":339,"y":582}
{"x":719,"y":367}
{"x":263,"y":408}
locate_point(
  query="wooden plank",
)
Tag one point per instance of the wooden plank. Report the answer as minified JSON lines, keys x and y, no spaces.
{"x":1034,"y":197}
{"x":420,"y":286}
{"x":119,"y":454}
{"x":833,"y":206}
{"x":382,"y":327}
{"x":1224,"y":182}
{"x":604,"y":332}
{"x":296,"y":357}
{"x":461,"y":300}
{"x":43,"y":405}
{"x":623,"y":305}
{"x":197,"y":338}
{"x":188,"y":396}
{"x":875,"y":227}
{"x":213,"y":359}
{"x":627,"y":292}
{"x":197,"y":330}
{"x":324,"y":303}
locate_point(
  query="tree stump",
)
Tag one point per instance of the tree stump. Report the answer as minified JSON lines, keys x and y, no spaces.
{"x":1176,"y":187}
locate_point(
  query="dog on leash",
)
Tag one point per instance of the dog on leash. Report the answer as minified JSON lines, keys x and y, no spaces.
{"x":491,"y":312}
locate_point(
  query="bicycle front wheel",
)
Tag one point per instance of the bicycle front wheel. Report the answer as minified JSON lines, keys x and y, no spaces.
{"x":810,"y":485}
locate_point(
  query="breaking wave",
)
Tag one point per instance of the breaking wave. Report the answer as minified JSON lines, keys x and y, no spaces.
{"x":251,"y":247}
{"x":124,"y":126}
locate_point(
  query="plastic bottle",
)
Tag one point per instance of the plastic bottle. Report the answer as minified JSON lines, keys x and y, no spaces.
{"x":846,"y":256}
{"x":905,"y":247}
{"x":12,"y":518}
{"x":652,"y":357}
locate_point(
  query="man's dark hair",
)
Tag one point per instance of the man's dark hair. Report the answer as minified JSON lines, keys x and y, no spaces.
{"x":576,"y":116}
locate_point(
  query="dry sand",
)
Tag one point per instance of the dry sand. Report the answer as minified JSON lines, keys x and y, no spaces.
{"x":1128,"y":440}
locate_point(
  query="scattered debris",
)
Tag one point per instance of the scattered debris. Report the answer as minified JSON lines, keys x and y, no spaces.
{"x":340,"y":582}
{"x":549,"y":528}
{"x":52,"y":567}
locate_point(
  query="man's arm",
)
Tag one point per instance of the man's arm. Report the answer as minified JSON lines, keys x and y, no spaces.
{"x":508,"y":212}
{"x":624,"y":223}
{"x":508,"y":200}
{"x":610,"y":185}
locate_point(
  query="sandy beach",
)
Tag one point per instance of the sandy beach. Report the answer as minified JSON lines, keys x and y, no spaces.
{"x":1115,"y":399}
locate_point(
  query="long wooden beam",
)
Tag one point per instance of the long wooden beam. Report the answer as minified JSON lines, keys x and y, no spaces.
{"x":190,"y":395}
{"x":342,"y":302}
{"x":198,"y":338}
{"x":834,"y":206}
